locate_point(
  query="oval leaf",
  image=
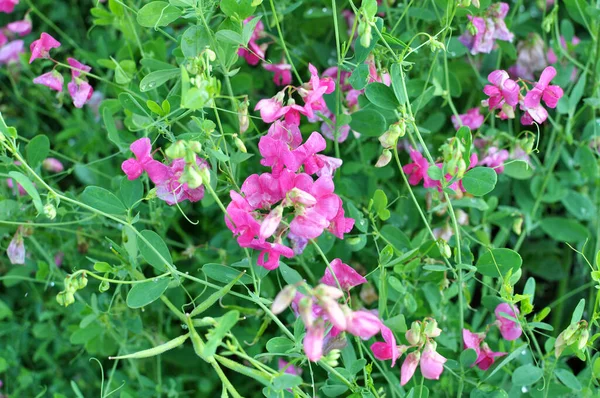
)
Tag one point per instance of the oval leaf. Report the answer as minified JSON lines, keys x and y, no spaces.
{"x":103,"y":200}
{"x":37,"y":150}
{"x":157,"y":13}
{"x":142,"y":294}
{"x":498,"y":262}
{"x":480,"y":181}
{"x":151,"y":256}
{"x":368,"y":122}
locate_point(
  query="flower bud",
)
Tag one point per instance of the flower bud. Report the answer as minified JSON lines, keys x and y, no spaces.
{"x":306,"y":313}
{"x":384,"y":158}
{"x":583,"y":339}
{"x":16,"y":248}
{"x":431,"y":328}
{"x":444,"y":249}
{"x":332,"y":357}
{"x":461,"y":168}
{"x":413,"y":335}
{"x":518,"y":226}
{"x":389,"y":139}
{"x":334,"y":312}
{"x":326,"y":291}
{"x":283,"y":299}
{"x":299,"y":196}
{"x":195,"y":146}
{"x":269,"y":225}
{"x":192,"y":177}
{"x":256,"y":3}
{"x":243,"y":118}
{"x":210,"y":54}
{"x":65,"y":298}
{"x":365,"y":38}
{"x":52,"y":164}
{"x":205,"y":174}
{"x":176,"y":150}
{"x":50,"y":211}
{"x":239,"y":144}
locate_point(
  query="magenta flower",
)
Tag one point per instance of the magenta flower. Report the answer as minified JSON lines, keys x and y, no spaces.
{"x":77,"y":67}
{"x":16,"y":248}
{"x":270,"y":108}
{"x":22,"y":28}
{"x":409,"y":366}
{"x":486,"y":357}
{"x":363,"y":324}
{"x":240,"y":219}
{"x":20,"y":190}
{"x":277,"y":154}
{"x":52,"y":164}
{"x":282,"y":73}
{"x":495,"y":159}
{"x":502,"y":91}
{"x":329,"y":133}
{"x":306,"y":154}
{"x":472,"y":340}
{"x":270,"y":253}
{"x":167,"y":180}
{"x":432,"y":363}
{"x":473,"y":119}
{"x":8,"y":6}
{"x":10,"y":52}
{"x":312,"y":92}
{"x":417,"y":170}
{"x":53,"y":80}
{"x":345,"y":274}
{"x":313,"y":341}
{"x":255,"y":52}
{"x":483,"y":39}
{"x":134,"y":167}
{"x":41,"y":47}
{"x":340,"y":224}
{"x":263,"y":191}
{"x":387,"y":350}
{"x":286,"y":132}
{"x":542,"y":91}
{"x":311,"y":220}
{"x":509,"y":329}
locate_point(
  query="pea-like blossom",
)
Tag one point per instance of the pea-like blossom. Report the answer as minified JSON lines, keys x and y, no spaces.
{"x":289,"y":368}
{"x":473,"y":119}
{"x":22,"y":28}
{"x":134,"y":167}
{"x":41,"y":48}
{"x":389,"y":349}
{"x":485,"y":356}
{"x":255,"y":52}
{"x":282,"y":73}
{"x":52,"y":164}
{"x":79,"y":88}
{"x":8,"y":6}
{"x":170,"y":185}
{"x":495,"y":159}
{"x":542,"y":91}
{"x":16,"y":249}
{"x":432,"y":363}
{"x":9,"y":52}
{"x":53,"y":80}
{"x":417,"y":170}
{"x":531,"y":57}
{"x":483,"y":32}
{"x":409,"y":366}
{"x":503,"y":94}
{"x":509,"y":329}
{"x":345,"y":275}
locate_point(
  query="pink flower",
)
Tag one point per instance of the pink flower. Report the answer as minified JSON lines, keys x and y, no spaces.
{"x":22,"y":28}
{"x":473,"y":119}
{"x":312,"y":92}
{"x":52,"y":164}
{"x":486,"y":357}
{"x":509,"y":329}
{"x":387,"y":350}
{"x":495,"y":158}
{"x":306,"y":154}
{"x":10,"y":52}
{"x":311,"y":220}
{"x":363,"y":324}
{"x":550,"y":94}
{"x":20,"y":190}
{"x":270,"y":108}
{"x":346,"y":275}
{"x":472,"y":340}
{"x":58,"y":259}
{"x":53,"y":80}
{"x":80,"y":93}
{"x":340,"y":224}
{"x":282,"y":73}
{"x":7,"y":6}
{"x":286,"y":132}
{"x":432,"y":363}
{"x":417,"y":170}
{"x":16,"y":249}
{"x":503,"y":90}
{"x":270,"y":253}
{"x":77,"y":67}
{"x":263,"y":191}
{"x":240,"y":220}
{"x":41,"y":47}
{"x":167,"y":179}
{"x":270,"y":223}
{"x":277,"y":154}
{"x":531,"y":57}
{"x":409,"y":366}
{"x":313,"y":342}
{"x":329,"y":133}
{"x":255,"y":52}
{"x":134,"y":167}
{"x":483,"y":39}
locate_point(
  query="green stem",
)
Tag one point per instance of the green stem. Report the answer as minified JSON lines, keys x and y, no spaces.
{"x":283,"y":45}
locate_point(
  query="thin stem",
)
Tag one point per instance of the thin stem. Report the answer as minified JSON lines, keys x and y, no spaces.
{"x":283,"y":45}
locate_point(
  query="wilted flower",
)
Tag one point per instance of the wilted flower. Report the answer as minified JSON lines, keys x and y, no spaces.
{"x":16,"y":248}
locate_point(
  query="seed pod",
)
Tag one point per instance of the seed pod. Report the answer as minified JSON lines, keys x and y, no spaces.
{"x":152,"y":352}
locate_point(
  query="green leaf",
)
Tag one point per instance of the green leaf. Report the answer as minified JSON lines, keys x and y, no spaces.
{"x":224,"y":325}
{"x":103,"y":200}
{"x":579,"y":205}
{"x":368,"y":122}
{"x":131,"y":191}
{"x":240,"y":8}
{"x":564,"y":229}
{"x":578,"y":313}
{"x":381,"y":96}
{"x":157,"y":13}
{"x":37,"y":150}
{"x":229,"y":36}
{"x":526,"y":375}
{"x":466,"y":139}
{"x":248,"y":29}
{"x":468,"y":357}
{"x":286,"y":381}
{"x":194,"y":40}
{"x":577,"y":93}
{"x":157,"y":78}
{"x":156,"y":242}
{"x":480,"y":180}
{"x":224,"y":273}
{"x":517,"y":352}
{"x":280,"y":345}
{"x":380,"y":202}
{"x":28,"y":186}
{"x":290,"y":275}
{"x":435,"y":173}
{"x":359,"y":77}
{"x":396,"y":238}
{"x":519,"y":170}
{"x":568,"y":379}
{"x":497,"y":262}
{"x":142,"y":294}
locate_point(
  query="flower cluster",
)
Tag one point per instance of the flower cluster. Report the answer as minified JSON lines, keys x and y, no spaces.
{"x":504,"y":94}
{"x":255,"y":52}
{"x":259,"y":212}
{"x":179,"y":181}
{"x":79,"y":88}
{"x":10,"y":46}
{"x":323,"y":316}
{"x":482,"y":32}
{"x":420,"y":337}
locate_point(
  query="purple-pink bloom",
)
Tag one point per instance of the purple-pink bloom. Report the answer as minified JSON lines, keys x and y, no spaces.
{"x":8,"y":6}
{"x":417,"y":170}
{"x":503,"y":90}
{"x":473,"y":119}
{"x":10,"y":52}
{"x":80,"y":93}
{"x":41,"y":47}
{"x":276,"y":154}
{"x":134,"y":167}
{"x":270,"y":108}
{"x":509,"y":329}
{"x":240,"y":220}
{"x":313,"y":342}
{"x":77,"y":67}
{"x":432,"y":363}
{"x":166,"y":178}
{"x":53,"y":80}
{"x":542,"y":91}
{"x":409,"y":366}
{"x":345,"y":274}
{"x":270,"y":253}
{"x":52,"y":164}
{"x":312,"y":92}
{"x":387,"y":350}
{"x":16,"y":249}
{"x":22,"y":28}
{"x":20,"y":190}
{"x":483,"y":39}
{"x":255,"y":52}
{"x":363,"y":324}
{"x":311,"y":220}
{"x":486,"y":357}
{"x":282,"y":73}
{"x":495,"y":159}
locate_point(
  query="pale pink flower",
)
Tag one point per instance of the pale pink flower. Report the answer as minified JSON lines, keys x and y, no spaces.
{"x":52,"y":164}
{"x":329,"y":133}
{"x":531,"y":57}
{"x":387,"y":350}
{"x":340,"y":224}
{"x":58,"y":259}
{"x":20,"y":190}
{"x":10,"y":52}
{"x":282,"y":73}
{"x":495,"y":159}
{"x":345,"y":274}
{"x":270,"y":223}
{"x":473,"y":119}
{"x":409,"y":366}
{"x":53,"y":80}
{"x":313,"y":342}
{"x":363,"y":324}
{"x":487,"y":30}
{"x":16,"y":249}
{"x":167,"y":180}
{"x":22,"y":28}
{"x":472,"y":340}
{"x":134,"y":167}
{"x":502,"y":91}
{"x":8,"y":6}
{"x":270,"y":108}
{"x":432,"y":363}
{"x":77,"y":67}
{"x":509,"y":329}
{"x":41,"y":47}
{"x":542,"y":91}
